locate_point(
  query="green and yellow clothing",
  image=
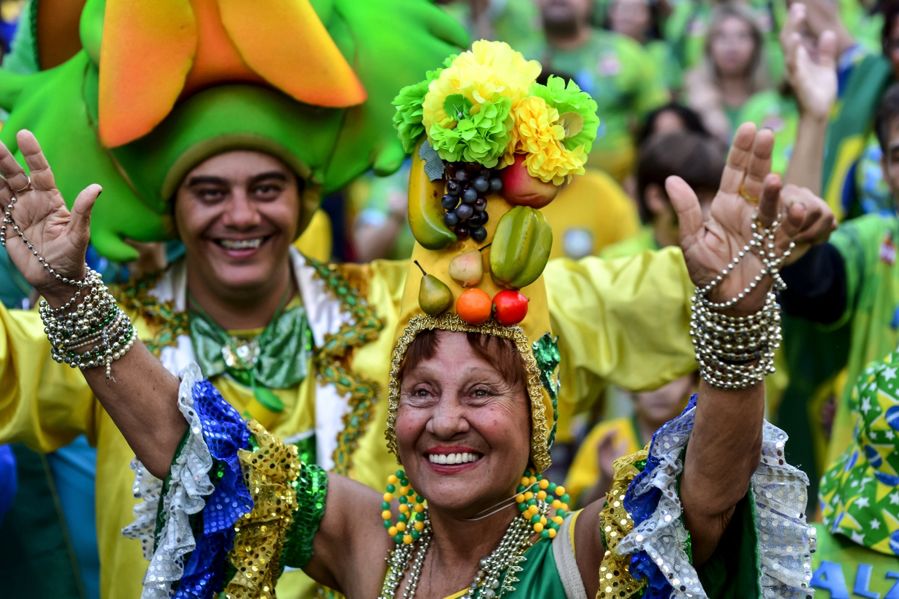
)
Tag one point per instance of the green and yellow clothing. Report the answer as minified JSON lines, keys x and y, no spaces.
{"x":589,"y":214}
{"x":584,"y":472}
{"x":843,"y":299}
{"x":858,"y":542}
{"x":540,"y":575}
{"x":46,"y":405}
{"x":620,"y":75}
{"x":850,"y":131}
{"x":778,"y":112}
{"x":867,"y":245}
{"x":841,"y":569}
{"x":619,"y":322}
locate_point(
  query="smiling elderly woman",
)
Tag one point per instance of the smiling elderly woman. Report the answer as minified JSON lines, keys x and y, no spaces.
{"x":472,"y":400}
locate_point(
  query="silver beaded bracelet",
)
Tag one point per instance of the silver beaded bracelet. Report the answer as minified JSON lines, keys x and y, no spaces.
{"x":737,"y":352}
{"x":734,"y":352}
{"x":87,"y":331}
{"x":95,"y":323}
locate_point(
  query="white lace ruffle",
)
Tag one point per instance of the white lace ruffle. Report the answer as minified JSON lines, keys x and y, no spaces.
{"x":785,"y":540}
{"x":663,"y":535}
{"x":188,"y":485}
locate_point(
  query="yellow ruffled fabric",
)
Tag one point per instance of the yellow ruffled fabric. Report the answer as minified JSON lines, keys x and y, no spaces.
{"x":538,"y":133}
{"x":270,"y":472}
{"x":486,"y":72}
{"x":615,"y":580}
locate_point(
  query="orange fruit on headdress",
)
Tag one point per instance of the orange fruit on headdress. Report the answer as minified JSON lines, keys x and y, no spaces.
{"x":474,"y":306}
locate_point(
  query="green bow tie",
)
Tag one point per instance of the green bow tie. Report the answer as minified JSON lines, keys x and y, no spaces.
{"x":276,"y":359}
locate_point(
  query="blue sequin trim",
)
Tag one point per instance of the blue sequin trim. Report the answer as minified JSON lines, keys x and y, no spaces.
{"x":225,"y":432}
{"x":641,"y":508}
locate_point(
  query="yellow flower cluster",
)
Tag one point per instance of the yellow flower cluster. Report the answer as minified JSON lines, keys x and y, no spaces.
{"x":487,"y":72}
{"x":538,"y":132}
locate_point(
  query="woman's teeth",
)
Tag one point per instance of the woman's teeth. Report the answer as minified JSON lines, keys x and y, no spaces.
{"x":240,"y":244}
{"x":452,"y":458}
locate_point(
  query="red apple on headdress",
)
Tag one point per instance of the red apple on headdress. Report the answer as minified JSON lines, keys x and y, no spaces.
{"x":521,"y":189}
{"x":509,"y":307}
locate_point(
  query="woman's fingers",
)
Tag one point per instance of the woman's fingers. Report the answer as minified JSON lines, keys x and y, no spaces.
{"x":790,"y":39}
{"x":39,"y":168}
{"x":686,"y":205}
{"x":738,"y":158}
{"x":796,"y":216}
{"x":759,"y":166}
{"x":827,"y":50}
{"x":817,"y":219}
{"x":769,"y":202}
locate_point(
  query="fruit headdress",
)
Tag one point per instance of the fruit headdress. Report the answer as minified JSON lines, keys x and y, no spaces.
{"x":153,"y":88}
{"x":490,"y":147}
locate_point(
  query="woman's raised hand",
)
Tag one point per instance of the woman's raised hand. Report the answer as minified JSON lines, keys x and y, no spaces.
{"x":38,"y":211}
{"x":747,"y":193}
{"x":811,"y":63}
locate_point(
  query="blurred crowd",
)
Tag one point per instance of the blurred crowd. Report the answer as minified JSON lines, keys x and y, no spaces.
{"x":672,"y":80}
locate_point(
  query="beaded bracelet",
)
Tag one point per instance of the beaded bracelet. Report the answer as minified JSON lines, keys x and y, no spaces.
{"x":763,"y":240}
{"x":734,"y":352}
{"x":96,"y":323}
{"x":737,"y":352}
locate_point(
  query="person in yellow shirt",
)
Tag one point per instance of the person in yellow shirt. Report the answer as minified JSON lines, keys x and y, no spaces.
{"x":589,"y":214}
{"x":591,"y":471}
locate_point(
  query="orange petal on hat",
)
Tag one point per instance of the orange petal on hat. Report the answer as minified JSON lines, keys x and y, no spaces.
{"x":286,"y":43}
{"x":146,"y":53}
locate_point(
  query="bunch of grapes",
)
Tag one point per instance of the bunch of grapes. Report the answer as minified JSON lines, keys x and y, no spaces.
{"x":465,"y":202}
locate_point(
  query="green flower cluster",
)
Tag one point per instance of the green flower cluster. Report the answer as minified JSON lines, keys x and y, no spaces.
{"x":481,"y":137}
{"x":407,"y":118}
{"x":576,"y":109}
